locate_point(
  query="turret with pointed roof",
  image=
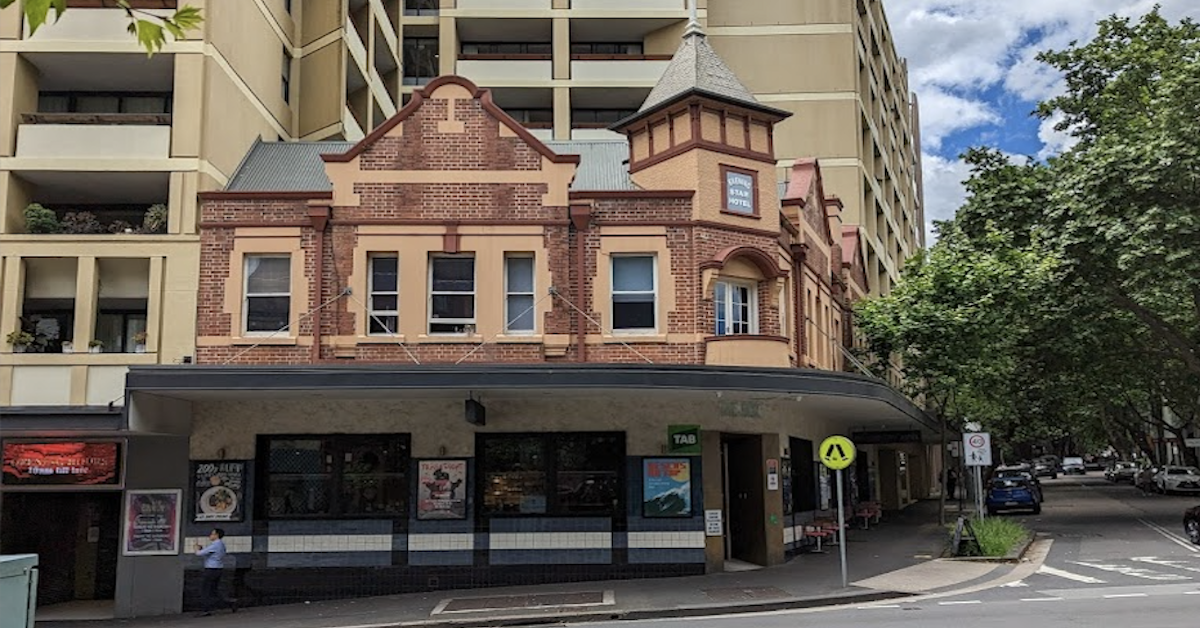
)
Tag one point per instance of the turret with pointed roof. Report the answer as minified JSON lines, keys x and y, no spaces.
{"x":701,"y":124}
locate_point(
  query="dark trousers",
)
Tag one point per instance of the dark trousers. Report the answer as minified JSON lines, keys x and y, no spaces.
{"x":211,"y":589}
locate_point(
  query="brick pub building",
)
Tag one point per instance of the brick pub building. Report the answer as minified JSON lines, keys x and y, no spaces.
{"x":452,"y":355}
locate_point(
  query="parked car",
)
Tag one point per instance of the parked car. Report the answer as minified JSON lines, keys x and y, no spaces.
{"x":1045,"y":469}
{"x":1012,"y":494}
{"x":1073,"y":466}
{"x":1020,"y":472}
{"x":1176,"y":479}
{"x":1121,"y":471}
{"x":1093,"y":464}
{"x":1191,"y":524}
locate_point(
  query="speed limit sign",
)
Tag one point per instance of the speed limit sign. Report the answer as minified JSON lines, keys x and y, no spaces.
{"x":977,"y":449}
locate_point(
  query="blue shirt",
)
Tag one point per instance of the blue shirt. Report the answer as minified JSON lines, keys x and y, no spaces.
{"x":214,"y":555}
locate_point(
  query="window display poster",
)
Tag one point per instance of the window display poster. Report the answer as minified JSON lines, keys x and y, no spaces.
{"x":667,"y":487}
{"x":442,"y":489}
{"x":151,"y":526}
{"x":218,"y":490}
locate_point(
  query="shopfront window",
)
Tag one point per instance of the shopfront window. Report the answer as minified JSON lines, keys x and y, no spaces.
{"x":552,"y":474}
{"x":334,"y":476}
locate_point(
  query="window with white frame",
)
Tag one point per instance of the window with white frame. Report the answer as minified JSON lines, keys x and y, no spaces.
{"x":267,"y":307}
{"x":634,"y":293}
{"x":736,"y":305}
{"x":384,"y":314}
{"x":451,"y":294}
{"x":519,"y":314}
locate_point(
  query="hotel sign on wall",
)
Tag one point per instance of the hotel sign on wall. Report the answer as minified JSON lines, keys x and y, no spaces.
{"x":739,"y":192}
{"x":62,"y":463}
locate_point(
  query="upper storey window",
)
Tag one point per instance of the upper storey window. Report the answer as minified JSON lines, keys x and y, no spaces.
{"x":634,"y":293}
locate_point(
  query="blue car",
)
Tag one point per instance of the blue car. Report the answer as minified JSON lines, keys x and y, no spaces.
{"x":1010,"y":493}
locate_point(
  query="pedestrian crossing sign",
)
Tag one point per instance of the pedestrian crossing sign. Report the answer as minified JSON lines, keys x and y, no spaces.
{"x":837,"y":452}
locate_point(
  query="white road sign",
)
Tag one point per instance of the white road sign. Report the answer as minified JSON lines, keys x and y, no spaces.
{"x":977,"y":449}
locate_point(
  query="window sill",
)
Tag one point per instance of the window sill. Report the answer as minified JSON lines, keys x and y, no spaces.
{"x":380,"y":340}
{"x":635,"y":338}
{"x":450,"y":339}
{"x":754,"y":215}
{"x":279,"y":341}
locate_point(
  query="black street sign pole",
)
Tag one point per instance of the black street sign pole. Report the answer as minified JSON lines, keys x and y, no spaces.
{"x":842,"y":527}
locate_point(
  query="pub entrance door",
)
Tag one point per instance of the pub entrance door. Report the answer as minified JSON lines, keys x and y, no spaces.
{"x":76,"y":536}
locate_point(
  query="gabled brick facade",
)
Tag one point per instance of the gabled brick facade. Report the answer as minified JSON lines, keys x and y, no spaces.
{"x":453,"y":174}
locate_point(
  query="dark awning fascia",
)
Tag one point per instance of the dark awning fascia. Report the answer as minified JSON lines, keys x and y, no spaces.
{"x":167,"y":379}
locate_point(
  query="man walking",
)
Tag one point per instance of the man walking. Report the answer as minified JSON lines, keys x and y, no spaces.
{"x":214,"y":567}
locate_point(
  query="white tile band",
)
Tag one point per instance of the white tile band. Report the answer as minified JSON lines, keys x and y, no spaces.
{"x":233,"y":544}
{"x":440,"y":542}
{"x":550,"y":540}
{"x":666,"y":540}
{"x":326,"y":543}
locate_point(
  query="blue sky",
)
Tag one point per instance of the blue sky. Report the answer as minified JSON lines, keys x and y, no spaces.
{"x":972,"y":65}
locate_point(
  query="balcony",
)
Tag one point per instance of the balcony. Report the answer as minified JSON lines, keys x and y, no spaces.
{"x":503,"y":5}
{"x":94,"y":136}
{"x":765,"y":351}
{"x":82,"y":24}
{"x":509,"y":72}
{"x":627,"y":6}
{"x":623,"y":70}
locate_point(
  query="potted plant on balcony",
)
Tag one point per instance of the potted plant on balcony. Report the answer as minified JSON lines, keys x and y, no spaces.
{"x":155,"y":220}
{"x":68,"y":346}
{"x":139,"y":342}
{"x":40,"y":219}
{"x":96,"y":346}
{"x":81,"y":223}
{"x":19,"y":340}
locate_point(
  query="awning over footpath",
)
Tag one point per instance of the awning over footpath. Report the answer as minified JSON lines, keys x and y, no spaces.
{"x":859,"y":403}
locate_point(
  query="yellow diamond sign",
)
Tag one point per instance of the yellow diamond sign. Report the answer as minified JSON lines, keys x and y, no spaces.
{"x":837,"y":452}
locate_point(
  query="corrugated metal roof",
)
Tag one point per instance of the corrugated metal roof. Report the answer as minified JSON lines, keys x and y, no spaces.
{"x":601,"y":164}
{"x":297,"y":166}
{"x":285,"y":167}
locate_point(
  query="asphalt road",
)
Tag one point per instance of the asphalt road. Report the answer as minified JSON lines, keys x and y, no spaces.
{"x":1118,"y":558}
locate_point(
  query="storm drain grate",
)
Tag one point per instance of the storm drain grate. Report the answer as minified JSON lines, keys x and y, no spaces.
{"x":525,"y":602}
{"x":741,"y":594}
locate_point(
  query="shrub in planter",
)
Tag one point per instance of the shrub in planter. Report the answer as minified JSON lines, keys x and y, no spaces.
{"x":39,"y":219}
{"x":19,"y":339}
{"x":96,"y":346}
{"x":155,"y":220}
{"x":120,"y":226}
{"x":78,"y":223}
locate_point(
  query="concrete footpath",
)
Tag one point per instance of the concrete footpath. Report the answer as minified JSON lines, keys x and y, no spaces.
{"x":896,"y":558}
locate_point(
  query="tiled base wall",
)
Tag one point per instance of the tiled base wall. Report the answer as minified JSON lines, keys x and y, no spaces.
{"x":274,"y":562}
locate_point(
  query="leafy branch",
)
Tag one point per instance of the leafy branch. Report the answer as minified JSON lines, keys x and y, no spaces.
{"x":150,"y":29}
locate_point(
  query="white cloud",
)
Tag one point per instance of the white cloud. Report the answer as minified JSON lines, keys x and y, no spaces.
{"x":944,"y":192}
{"x":963,"y":52}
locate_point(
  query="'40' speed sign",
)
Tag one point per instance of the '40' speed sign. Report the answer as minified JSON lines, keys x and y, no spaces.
{"x":977,"y":449}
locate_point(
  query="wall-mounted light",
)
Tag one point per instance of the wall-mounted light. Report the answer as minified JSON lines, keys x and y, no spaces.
{"x":476,"y":413}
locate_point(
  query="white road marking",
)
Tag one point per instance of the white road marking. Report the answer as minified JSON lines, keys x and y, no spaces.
{"x":1136,"y":572}
{"x":1192,"y":593}
{"x":1041,"y":599}
{"x":960,"y":602}
{"x":1117,"y":595}
{"x":1051,"y":571}
{"x":1015,"y":585}
{"x":1171,"y":536}
{"x":1175,"y":564}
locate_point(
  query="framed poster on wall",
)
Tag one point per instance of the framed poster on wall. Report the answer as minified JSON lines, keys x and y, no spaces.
{"x":666,"y":487}
{"x":151,"y":523}
{"x":218,"y":490}
{"x":442,"y":489}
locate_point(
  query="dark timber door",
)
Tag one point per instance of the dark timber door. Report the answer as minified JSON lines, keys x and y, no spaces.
{"x":745,"y":488}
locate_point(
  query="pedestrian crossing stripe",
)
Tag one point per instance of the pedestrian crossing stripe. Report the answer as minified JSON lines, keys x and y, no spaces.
{"x":837,"y":452}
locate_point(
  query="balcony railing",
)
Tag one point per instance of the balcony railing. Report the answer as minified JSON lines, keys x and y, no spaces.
{"x":109,"y":136}
{"x":629,"y":70}
{"x":492,"y":72}
{"x":95,"y":24}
